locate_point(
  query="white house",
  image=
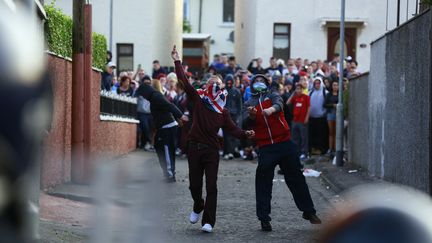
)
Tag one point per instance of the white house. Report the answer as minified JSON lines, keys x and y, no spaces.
{"x":138,"y":31}
{"x":294,"y":28}
{"x":310,"y":29}
{"x":214,"y":17}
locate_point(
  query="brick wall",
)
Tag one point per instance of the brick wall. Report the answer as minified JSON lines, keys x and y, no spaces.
{"x":108,"y":139}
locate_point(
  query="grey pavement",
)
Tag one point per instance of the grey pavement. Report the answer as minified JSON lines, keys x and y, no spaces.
{"x":133,"y":204}
{"x":341,"y":179}
{"x":59,"y":232}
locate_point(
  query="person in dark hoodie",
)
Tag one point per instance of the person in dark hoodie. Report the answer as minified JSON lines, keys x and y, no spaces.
{"x":210,"y":115}
{"x":164,"y":116}
{"x":264,"y":114}
{"x":234,"y":107}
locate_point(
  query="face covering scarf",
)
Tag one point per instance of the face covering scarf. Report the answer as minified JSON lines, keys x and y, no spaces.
{"x":259,"y":88}
{"x":213,"y":97}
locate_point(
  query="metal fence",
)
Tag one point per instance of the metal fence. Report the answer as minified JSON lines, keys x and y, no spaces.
{"x":117,"y":106}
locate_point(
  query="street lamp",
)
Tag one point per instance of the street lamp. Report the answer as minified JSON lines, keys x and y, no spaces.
{"x":339,"y":107}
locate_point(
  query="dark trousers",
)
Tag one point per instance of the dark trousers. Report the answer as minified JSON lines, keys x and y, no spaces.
{"x":230,"y":142}
{"x":285,"y":154}
{"x":203,"y":160}
{"x":165,"y":144}
{"x":300,"y":137}
{"x":318,"y":133}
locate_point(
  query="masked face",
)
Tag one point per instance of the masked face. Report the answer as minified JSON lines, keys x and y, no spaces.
{"x":218,"y":82}
{"x":259,"y":87}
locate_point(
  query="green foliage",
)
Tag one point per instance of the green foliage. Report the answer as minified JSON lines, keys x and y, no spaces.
{"x":58,"y":34}
{"x":99,"y":44}
{"x":426,"y":2}
{"x":187,"y":27}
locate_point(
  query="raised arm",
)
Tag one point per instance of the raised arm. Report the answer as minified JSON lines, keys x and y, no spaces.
{"x":189,"y":89}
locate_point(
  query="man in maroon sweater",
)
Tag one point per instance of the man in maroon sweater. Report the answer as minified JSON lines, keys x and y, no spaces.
{"x":203,"y":147}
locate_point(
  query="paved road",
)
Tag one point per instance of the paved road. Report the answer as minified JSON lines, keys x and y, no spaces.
{"x":138,"y":207}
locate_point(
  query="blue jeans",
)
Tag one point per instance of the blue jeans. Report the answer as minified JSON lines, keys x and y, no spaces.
{"x":331,"y":115}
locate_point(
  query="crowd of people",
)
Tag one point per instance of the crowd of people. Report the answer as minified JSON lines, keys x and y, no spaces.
{"x":309,"y":90}
{"x":281,"y":114}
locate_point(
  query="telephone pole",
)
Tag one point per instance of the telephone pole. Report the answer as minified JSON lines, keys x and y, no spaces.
{"x":339,"y":107}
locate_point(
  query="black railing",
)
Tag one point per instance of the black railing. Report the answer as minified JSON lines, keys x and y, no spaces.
{"x":117,"y":106}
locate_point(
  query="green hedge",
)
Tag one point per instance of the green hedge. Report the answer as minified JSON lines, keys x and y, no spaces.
{"x":99,"y":43}
{"x":58,"y":34}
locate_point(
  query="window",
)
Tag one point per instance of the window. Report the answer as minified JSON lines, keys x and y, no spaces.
{"x":193,"y":52}
{"x":281,"y":41}
{"x":124,"y":57}
{"x":228,"y":11}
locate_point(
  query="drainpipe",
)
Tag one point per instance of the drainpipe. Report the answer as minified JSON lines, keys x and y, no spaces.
{"x":111,"y":26}
{"x":200,"y":16}
{"x":430,"y":106}
{"x":398,"y":13}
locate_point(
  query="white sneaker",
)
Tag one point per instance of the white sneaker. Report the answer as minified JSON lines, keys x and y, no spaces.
{"x":207,"y":228}
{"x":254,"y":155}
{"x":147,"y":146}
{"x":194,"y":217}
{"x":226,"y":157}
{"x":230,"y":156}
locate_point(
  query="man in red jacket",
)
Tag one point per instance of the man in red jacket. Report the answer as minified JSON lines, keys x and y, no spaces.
{"x":272,"y":134}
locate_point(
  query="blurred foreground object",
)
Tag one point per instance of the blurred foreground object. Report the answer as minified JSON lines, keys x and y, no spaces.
{"x":382,"y":214}
{"x":25,"y":97}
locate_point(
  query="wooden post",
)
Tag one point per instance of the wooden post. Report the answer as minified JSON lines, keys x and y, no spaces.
{"x":78,"y":158}
{"x":89,"y":84}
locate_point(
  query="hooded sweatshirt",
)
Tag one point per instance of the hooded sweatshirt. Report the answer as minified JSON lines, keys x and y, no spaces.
{"x":162,"y":110}
{"x":317,"y":100}
{"x":234,"y":99}
{"x":268,"y":130}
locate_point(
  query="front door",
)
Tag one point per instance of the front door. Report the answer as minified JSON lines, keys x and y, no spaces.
{"x":333,"y":44}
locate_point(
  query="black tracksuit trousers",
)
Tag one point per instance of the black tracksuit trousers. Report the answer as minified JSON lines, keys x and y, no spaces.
{"x":165,"y":145}
{"x":285,"y":154}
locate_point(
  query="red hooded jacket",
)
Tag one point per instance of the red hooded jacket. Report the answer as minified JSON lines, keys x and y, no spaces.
{"x":272,"y":129}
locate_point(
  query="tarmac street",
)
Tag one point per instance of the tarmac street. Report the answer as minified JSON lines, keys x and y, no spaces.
{"x":129,"y":202}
